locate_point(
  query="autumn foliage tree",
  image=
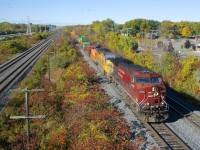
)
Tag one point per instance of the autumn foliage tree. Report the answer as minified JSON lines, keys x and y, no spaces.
{"x":186,"y":31}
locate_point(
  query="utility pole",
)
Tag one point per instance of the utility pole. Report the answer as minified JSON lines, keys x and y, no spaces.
{"x":153,"y":33}
{"x":127,"y":30}
{"x":40,"y":29}
{"x":113,"y":29}
{"x":55,"y":49}
{"x":49,"y":67}
{"x":89,"y":31}
{"x":27,"y":117}
{"x":48,"y":63}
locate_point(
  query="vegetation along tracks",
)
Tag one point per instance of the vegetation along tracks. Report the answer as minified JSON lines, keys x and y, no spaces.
{"x":184,"y":112}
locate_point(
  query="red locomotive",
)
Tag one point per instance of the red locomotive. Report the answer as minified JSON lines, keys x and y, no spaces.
{"x":145,"y":88}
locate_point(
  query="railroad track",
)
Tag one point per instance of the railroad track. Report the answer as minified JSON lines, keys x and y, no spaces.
{"x":184,"y":112}
{"x":165,"y":137}
{"x":12,"y":71}
{"x":11,"y":63}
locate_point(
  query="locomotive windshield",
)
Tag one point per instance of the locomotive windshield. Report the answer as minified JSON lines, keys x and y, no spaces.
{"x":110,"y":66}
{"x":147,"y":80}
{"x":156,"y":80}
{"x":142,"y":80}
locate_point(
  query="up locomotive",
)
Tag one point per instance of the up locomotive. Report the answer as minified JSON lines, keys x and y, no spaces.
{"x":144,"y":87}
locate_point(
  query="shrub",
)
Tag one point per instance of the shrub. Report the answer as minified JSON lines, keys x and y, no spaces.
{"x":187,"y":44}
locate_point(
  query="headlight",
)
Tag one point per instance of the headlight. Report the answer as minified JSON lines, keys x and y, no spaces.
{"x":155,"y":94}
{"x":153,"y":88}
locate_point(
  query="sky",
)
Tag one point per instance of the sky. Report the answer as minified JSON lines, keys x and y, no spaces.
{"x":73,"y":12}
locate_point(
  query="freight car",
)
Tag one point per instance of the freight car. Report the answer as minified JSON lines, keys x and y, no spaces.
{"x":83,"y":41}
{"x":88,"y":49}
{"x":144,"y":87}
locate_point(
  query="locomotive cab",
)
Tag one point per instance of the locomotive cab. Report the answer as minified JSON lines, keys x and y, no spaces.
{"x":107,"y":63}
{"x":150,"y":94}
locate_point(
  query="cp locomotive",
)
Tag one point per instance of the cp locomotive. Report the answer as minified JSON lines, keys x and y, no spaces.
{"x":144,"y":87}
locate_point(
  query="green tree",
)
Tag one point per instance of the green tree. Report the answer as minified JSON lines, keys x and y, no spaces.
{"x":103,"y":27}
{"x":8,"y":28}
{"x":127,"y":44}
{"x":108,"y":23}
{"x":113,"y":39}
{"x":146,"y":59}
{"x":175,"y":31}
{"x":167,"y":65}
{"x":134,"y":46}
{"x":165,"y":28}
{"x":139,"y":25}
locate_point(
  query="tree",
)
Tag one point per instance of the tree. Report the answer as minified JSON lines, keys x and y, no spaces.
{"x":108,"y":23}
{"x":139,"y":25}
{"x":166,"y":28}
{"x":193,"y":47}
{"x":186,"y":31}
{"x":7,"y":28}
{"x":160,"y":44}
{"x":167,"y":65}
{"x":175,"y":31}
{"x":187,"y":44}
{"x":170,"y":47}
{"x":134,"y":46}
{"x":127,"y":44}
{"x":113,"y":39}
{"x":146,"y":59}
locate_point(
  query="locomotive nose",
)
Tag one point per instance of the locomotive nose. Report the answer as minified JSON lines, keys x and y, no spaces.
{"x":155,"y":91}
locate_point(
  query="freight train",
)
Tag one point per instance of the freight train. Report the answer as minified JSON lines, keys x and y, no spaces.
{"x":144,"y":87}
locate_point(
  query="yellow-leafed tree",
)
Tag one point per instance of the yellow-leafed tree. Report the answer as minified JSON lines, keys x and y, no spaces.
{"x":186,"y":31}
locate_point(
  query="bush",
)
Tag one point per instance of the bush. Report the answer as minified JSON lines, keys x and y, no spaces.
{"x":181,"y":46}
{"x":160,"y":44}
{"x":17,"y":47}
{"x":36,"y":75}
{"x":62,"y":61}
{"x":187,"y":44}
